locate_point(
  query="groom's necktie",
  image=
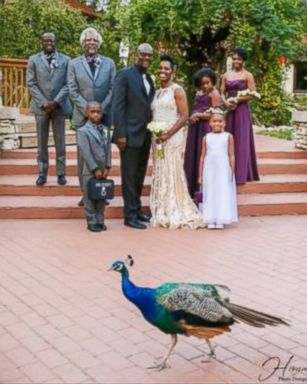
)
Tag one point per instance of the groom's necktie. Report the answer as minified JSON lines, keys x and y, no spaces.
{"x":146,"y":83}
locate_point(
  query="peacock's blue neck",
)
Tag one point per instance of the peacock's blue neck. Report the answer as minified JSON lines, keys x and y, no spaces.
{"x":143,"y":298}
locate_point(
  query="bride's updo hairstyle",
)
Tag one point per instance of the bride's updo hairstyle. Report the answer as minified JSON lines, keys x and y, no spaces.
{"x":170,"y":59}
{"x":241,"y":53}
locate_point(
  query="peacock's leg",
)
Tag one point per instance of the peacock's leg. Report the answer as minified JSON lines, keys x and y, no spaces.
{"x":211,"y":354}
{"x":161,"y":364}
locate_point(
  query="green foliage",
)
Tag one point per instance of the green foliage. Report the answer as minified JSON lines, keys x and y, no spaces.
{"x":205,"y":31}
{"x":275,"y":103}
{"x":299,"y":102}
{"x":197,"y":32}
{"x":23,"y":21}
{"x":285,"y":134}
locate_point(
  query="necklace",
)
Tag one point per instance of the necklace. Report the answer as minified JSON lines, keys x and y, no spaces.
{"x":237,"y":74}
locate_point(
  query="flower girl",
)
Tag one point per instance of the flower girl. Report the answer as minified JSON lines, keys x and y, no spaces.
{"x":216,"y":175}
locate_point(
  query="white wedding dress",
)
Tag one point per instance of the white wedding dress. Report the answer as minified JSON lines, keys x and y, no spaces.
{"x":219,"y":186}
{"x":170,"y":203}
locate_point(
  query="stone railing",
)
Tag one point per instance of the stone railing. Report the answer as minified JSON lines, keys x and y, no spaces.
{"x":299,"y":119}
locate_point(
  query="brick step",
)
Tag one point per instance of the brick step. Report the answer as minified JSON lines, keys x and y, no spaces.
{"x":29,"y":167}
{"x":273,"y":204}
{"x":71,"y":153}
{"x":25,"y":185}
{"x":298,"y":154}
{"x":64,"y":207}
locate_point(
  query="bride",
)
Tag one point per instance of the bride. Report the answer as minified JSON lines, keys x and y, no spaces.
{"x":170,"y":202}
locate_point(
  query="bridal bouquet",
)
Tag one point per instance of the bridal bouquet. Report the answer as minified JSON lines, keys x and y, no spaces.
{"x":245,"y":92}
{"x":158,"y":129}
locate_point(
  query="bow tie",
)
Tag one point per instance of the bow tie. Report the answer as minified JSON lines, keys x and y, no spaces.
{"x":93,"y":60}
{"x":100,"y":129}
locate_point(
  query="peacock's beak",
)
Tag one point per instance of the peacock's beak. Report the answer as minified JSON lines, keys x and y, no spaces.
{"x":110,"y":269}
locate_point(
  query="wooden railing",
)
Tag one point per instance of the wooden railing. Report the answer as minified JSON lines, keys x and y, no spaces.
{"x":13,"y":86}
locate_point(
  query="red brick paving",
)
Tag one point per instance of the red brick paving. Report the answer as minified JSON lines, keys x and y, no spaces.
{"x":63,"y":318}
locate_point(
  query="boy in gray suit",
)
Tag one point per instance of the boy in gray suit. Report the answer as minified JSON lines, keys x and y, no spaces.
{"x":94,"y":145}
{"x":46,"y":79}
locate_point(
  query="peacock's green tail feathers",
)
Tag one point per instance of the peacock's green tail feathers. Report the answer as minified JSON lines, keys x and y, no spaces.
{"x":192,"y":300}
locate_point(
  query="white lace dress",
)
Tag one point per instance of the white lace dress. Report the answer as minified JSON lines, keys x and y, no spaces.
{"x":170,"y":203}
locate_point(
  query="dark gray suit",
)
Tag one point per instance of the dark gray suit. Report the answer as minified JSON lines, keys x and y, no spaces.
{"x":131,"y":114}
{"x":46,"y":84}
{"x":84,"y":87}
{"x":95,"y":151}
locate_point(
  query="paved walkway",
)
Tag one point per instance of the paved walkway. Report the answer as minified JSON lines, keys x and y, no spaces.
{"x":63,"y":318}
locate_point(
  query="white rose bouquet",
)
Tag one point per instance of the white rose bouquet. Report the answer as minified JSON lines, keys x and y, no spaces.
{"x":158,"y":129}
{"x":245,"y":92}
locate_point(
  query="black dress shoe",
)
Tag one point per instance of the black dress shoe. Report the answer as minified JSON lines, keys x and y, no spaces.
{"x":103,"y":227}
{"x":81,"y":202}
{"x":143,"y":217}
{"x":41,"y":180}
{"x":135,"y":223}
{"x":94,"y":227}
{"x":62,"y":180}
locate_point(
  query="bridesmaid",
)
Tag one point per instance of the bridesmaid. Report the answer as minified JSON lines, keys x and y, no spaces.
{"x":239,"y":120}
{"x":207,"y":96}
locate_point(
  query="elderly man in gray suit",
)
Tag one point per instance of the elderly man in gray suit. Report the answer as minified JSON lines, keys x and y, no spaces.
{"x":46,"y":79}
{"x":90,"y":78}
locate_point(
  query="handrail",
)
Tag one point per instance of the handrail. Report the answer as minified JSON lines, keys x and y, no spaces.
{"x":13,"y":86}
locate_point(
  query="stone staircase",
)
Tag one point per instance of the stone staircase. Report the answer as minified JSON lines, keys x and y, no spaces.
{"x":27,"y":133}
{"x":282,"y":189}
{"x":20,"y":130}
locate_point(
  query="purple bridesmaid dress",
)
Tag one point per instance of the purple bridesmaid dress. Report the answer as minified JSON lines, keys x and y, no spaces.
{"x":196,"y":132}
{"x":239,"y":123}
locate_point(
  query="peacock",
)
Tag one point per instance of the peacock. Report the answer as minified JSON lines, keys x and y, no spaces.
{"x":189,"y":309}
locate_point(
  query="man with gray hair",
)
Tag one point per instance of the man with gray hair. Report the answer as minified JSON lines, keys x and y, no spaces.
{"x":46,"y":80}
{"x":90,"y":78}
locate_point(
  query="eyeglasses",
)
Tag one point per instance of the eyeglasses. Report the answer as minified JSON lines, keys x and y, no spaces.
{"x":146,"y":54}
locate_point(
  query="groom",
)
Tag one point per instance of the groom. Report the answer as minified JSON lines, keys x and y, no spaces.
{"x":132,"y":96}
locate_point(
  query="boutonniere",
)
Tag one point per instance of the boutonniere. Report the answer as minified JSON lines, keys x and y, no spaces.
{"x":97,"y":62}
{"x":53,"y":63}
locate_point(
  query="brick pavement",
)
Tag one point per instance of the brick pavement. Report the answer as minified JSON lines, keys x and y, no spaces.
{"x":63,"y":318}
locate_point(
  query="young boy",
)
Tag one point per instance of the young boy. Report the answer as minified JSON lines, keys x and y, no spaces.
{"x":94,"y":144}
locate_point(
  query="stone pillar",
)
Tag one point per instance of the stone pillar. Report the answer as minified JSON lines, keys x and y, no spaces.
{"x":299,"y":119}
{"x":8,"y":130}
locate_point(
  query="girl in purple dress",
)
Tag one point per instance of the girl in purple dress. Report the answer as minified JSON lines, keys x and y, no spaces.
{"x":239,"y":120}
{"x":207,"y":96}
